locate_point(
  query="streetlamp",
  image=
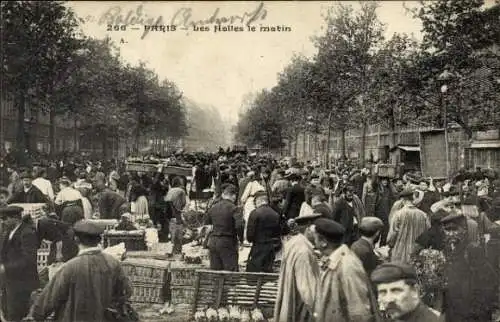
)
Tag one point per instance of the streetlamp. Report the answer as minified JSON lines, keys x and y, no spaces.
{"x":444,"y":77}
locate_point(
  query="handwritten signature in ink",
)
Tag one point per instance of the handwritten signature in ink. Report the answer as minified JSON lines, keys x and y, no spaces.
{"x":184,"y":17}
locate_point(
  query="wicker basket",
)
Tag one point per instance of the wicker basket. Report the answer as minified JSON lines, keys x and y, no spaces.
{"x":42,"y":258}
{"x":147,"y":293}
{"x":145,"y":270}
{"x":133,"y":240}
{"x":182,"y":295}
{"x":250,"y":290}
{"x":183,"y":274}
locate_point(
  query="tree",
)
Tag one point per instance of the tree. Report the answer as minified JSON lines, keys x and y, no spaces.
{"x":40,"y":36}
{"x":459,"y":63}
{"x":344,"y":59}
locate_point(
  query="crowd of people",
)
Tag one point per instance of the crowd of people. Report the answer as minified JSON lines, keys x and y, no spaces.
{"x":352,"y":245}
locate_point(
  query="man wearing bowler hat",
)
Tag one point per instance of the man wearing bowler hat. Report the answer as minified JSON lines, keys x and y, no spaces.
{"x":344,"y":292}
{"x":398,"y":294}
{"x":299,"y":274}
{"x":18,"y":263}
{"x":86,"y":286}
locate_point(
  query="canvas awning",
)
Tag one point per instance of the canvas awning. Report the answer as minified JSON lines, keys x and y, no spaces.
{"x":486,"y":144}
{"x":407,"y":148}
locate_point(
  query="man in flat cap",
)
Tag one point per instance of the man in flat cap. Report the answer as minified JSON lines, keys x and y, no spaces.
{"x":299,"y":274}
{"x":264,"y":232}
{"x":398,"y":293}
{"x":370,"y":229}
{"x":227,"y":232}
{"x":407,"y":224}
{"x":71,"y":293}
{"x":30,"y":193}
{"x":344,"y":292}
{"x":18,"y":263}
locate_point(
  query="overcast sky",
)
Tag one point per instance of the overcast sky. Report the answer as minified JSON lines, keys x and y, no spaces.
{"x":218,"y":69}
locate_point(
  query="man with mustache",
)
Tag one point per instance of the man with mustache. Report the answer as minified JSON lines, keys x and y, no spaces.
{"x":398,"y":294}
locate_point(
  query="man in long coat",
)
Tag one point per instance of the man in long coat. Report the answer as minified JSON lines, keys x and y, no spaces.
{"x":18,"y":264}
{"x":299,"y":273}
{"x":408,"y":224}
{"x":344,"y":292}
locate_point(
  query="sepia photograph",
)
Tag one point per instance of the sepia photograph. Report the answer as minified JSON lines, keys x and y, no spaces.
{"x":250,"y":161}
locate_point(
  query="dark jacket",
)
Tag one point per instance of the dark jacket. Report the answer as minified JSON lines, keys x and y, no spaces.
{"x":19,"y":257}
{"x":364,"y":250}
{"x":344,"y":214}
{"x":421,"y":314}
{"x":34,"y":195}
{"x":226,"y":219}
{"x":264,"y":225}
{"x":295,"y":196}
{"x":324,"y":210}
{"x":109,"y":204}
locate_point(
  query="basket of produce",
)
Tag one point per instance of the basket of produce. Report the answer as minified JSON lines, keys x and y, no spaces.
{"x":146,"y":270}
{"x":232,"y":313}
{"x":133,"y":239}
{"x":248,"y":291}
{"x":140,"y":166}
{"x":430,"y":266}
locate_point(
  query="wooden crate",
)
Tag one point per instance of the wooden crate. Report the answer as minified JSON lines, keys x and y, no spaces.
{"x":249,"y":290}
{"x":146,"y":270}
{"x":147,"y":293}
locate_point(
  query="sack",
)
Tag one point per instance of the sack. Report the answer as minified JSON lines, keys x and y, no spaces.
{"x":121,"y":313}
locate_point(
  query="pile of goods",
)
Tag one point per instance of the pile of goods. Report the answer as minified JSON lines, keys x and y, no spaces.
{"x":153,"y":160}
{"x":231,"y":314}
{"x":430,"y":266}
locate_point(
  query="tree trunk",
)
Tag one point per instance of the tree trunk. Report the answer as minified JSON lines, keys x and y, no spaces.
{"x":363,"y":146}
{"x":19,"y":105}
{"x":137,"y":137}
{"x":295,"y":144}
{"x":327,"y":152}
{"x":304,"y":146}
{"x":104,"y":144}
{"x":343,"y":145}
{"x":75,"y":136}
{"x":52,"y":132}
